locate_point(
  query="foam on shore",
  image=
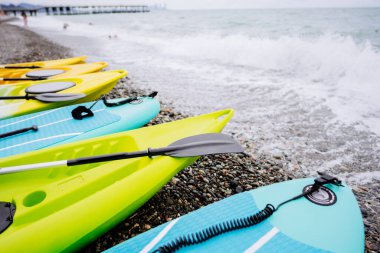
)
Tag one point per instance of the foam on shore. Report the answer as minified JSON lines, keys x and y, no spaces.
{"x":310,"y":98}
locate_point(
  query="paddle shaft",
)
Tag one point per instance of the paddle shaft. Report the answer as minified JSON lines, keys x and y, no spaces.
{"x":23,"y":79}
{"x":19,"y":131}
{"x":20,"y":67}
{"x":125,"y":155}
{"x":197,"y":145}
{"x":95,"y":159}
{"x":49,"y":97}
{"x":86,"y":160}
{"x":16,"y":97}
{"x":105,"y":158}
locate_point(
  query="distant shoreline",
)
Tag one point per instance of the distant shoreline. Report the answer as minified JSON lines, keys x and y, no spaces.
{"x":4,"y":19}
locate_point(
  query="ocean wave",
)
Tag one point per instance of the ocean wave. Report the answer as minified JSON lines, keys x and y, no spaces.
{"x":330,"y":56}
{"x":334,"y":67}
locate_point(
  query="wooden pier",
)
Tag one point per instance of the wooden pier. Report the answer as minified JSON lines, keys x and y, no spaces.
{"x":94,"y":9}
{"x":15,"y":10}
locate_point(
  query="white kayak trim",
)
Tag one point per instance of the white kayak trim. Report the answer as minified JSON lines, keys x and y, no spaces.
{"x":32,"y":166}
{"x":262,"y":241}
{"x":55,"y":122}
{"x":8,"y":109}
{"x":42,"y":139}
{"x":159,"y":237}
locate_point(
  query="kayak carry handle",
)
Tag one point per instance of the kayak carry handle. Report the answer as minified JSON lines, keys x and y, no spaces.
{"x":224,"y":115}
{"x":122,"y":73}
{"x":128,"y":100}
{"x":33,"y":128}
{"x":82,"y":112}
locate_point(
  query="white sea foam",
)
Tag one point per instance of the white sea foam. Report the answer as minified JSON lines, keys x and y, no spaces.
{"x":332,"y":67}
{"x":310,"y":91}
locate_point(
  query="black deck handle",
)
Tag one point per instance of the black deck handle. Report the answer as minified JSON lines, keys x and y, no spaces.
{"x":19,"y":131}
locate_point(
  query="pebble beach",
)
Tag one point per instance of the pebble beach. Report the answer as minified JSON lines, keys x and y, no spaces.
{"x":208,"y":180}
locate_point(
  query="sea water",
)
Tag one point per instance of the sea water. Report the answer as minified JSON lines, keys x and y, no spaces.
{"x":305,"y":83}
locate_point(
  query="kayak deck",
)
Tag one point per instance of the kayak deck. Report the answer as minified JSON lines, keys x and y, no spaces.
{"x":298,"y":226}
{"x":57,"y":126}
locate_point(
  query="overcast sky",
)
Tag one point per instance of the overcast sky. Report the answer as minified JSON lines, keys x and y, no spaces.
{"x":217,"y":4}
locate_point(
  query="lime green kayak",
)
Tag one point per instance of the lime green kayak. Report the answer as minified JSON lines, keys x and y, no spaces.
{"x":92,"y":86}
{"x":63,"y":209}
{"x":50,"y":73}
{"x":43,"y":64}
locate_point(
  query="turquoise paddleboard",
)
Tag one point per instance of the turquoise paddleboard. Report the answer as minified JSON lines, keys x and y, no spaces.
{"x":333,"y":225}
{"x":58,"y":126}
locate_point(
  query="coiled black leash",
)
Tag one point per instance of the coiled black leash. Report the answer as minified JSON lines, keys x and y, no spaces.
{"x":82,"y":112}
{"x":128,"y":100}
{"x":234,"y":224}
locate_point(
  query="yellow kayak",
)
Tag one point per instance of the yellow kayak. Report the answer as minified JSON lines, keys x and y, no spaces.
{"x":21,"y":75}
{"x":88,"y":86}
{"x":44,"y":64}
{"x":62,"y":209}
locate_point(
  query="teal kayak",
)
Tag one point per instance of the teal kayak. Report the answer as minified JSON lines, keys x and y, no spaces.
{"x":58,"y":126}
{"x":327,"y":220}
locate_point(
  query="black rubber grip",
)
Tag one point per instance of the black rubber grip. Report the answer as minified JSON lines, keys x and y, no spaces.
{"x":106,"y":158}
{"x":19,"y":131}
{"x":25,"y":79}
{"x":22,"y":67}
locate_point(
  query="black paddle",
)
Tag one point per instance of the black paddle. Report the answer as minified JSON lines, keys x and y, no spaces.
{"x":19,"y":131}
{"x":20,"y":67}
{"x":197,"y":145}
{"x":23,"y":79}
{"x":37,"y":75}
{"x":48,"y":97}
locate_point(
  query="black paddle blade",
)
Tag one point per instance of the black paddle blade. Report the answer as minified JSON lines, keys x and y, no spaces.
{"x":59,"y":97}
{"x":204,"y":144}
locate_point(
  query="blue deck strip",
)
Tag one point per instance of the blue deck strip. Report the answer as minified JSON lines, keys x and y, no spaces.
{"x":237,"y":206}
{"x":65,"y":128}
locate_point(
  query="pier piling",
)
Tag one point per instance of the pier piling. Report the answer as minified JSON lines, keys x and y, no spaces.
{"x":94,"y":9}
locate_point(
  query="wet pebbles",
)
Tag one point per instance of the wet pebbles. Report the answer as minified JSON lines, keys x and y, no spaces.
{"x":21,"y":45}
